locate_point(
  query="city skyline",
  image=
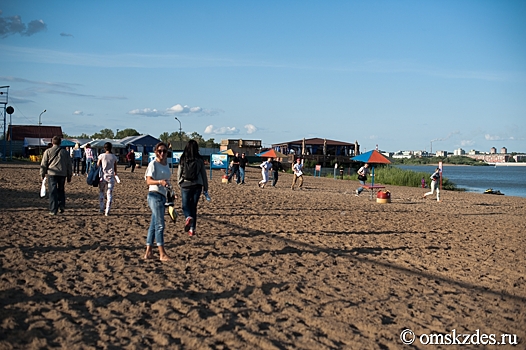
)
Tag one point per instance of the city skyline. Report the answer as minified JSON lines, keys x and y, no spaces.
{"x":402,"y":75}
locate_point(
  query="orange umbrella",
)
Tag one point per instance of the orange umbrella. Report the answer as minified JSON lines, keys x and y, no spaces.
{"x":272,"y":154}
{"x":372,"y":157}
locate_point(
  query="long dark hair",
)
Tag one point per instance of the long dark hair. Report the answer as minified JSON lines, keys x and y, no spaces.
{"x":191,"y":151}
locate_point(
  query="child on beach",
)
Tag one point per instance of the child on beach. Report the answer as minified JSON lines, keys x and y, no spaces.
{"x":108,"y":162}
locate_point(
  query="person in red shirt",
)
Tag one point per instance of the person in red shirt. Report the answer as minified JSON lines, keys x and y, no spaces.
{"x":130,"y":157}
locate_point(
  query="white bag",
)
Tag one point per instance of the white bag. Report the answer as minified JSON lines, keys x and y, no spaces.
{"x":43,"y":188}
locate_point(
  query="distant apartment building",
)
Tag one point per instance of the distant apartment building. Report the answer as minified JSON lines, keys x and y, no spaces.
{"x":492,"y":150}
{"x":441,"y":154}
{"x":459,"y":152}
{"x":503,"y":150}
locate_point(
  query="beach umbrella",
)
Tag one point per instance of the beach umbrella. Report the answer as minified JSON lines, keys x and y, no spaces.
{"x":67,"y":143}
{"x":372,"y":157}
{"x":272,"y":153}
{"x":228,"y":151}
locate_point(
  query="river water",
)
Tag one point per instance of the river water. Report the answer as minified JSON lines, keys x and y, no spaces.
{"x":510,"y":180}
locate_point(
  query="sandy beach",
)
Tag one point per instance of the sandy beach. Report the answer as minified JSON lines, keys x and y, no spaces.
{"x":269,"y":268}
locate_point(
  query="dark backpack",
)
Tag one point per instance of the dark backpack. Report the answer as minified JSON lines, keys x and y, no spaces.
{"x":190,"y":169}
{"x":94,"y":176}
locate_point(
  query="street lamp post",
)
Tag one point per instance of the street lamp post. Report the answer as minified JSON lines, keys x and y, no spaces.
{"x":180,"y":134}
{"x":39,"y":124}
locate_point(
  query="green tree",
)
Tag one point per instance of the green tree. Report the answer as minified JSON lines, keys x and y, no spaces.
{"x":165,"y":137}
{"x":126,"y":132}
{"x":210,"y":143}
{"x":103,"y":134}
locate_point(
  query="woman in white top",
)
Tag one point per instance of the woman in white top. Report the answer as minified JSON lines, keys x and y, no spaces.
{"x":158,"y":179}
{"x":108,"y":162}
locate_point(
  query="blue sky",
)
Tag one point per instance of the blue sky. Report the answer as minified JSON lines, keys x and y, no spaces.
{"x":400,"y":74}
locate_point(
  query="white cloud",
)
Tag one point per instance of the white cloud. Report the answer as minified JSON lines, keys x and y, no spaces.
{"x":493,"y":137}
{"x":250,"y":128}
{"x":175,"y":109}
{"x":209,"y":129}
{"x":224,"y":130}
{"x":78,"y":113}
{"x":180,"y":109}
{"x":148,"y":112}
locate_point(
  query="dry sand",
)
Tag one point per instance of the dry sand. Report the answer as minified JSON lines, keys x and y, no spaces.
{"x":269,"y":269}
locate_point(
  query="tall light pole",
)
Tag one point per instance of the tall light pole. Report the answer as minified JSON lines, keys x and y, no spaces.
{"x":180,"y":134}
{"x":39,"y":124}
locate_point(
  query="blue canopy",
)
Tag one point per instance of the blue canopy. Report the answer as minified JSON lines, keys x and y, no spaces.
{"x":67,"y":143}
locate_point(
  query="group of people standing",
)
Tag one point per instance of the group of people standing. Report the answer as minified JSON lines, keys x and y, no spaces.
{"x":81,"y":159}
{"x":237,"y":168}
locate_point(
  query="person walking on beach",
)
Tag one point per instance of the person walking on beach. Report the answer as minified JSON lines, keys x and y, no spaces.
{"x":298,"y":174}
{"x":423,"y":182}
{"x":265,"y":168}
{"x":191,"y":177}
{"x":77,"y":156}
{"x":158,"y":180}
{"x":130,"y":157}
{"x":56,"y":164}
{"x":235,"y":169}
{"x":435,"y":177}
{"x":108,"y":162}
{"x":362,"y":177}
{"x":243,"y":161}
{"x":276,"y":168}
{"x":89,"y":153}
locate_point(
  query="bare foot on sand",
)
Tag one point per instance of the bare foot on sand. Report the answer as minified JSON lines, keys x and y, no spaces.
{"x":165,"y":258}
{"x":148,"y":254}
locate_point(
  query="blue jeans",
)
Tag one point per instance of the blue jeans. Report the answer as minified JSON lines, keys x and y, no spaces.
{"x":88,"y":164}
{"x":360,"y":189}
{"x":235,"y":171}
{"x":242,"y":175}
{"x":156,"y":230}
{"x":190,"y":197}
{"x":57,"y":193}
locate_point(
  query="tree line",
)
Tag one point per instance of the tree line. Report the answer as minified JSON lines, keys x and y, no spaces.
{"x":176,"y":139}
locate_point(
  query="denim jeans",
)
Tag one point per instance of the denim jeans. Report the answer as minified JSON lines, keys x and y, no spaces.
{"x":360,"y":189}
{"x":89,"y":163}
{"x":156,"y":230}
{"x":57,"y":193}
{"x":235,"y":171}
{"x":190,"y":198}
{"x":242,"y":175}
